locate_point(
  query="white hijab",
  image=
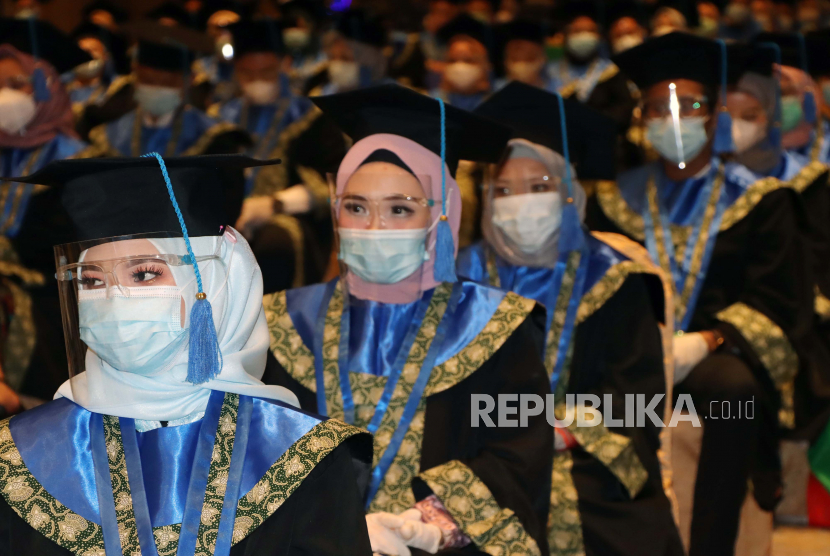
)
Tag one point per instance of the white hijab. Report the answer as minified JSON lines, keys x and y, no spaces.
{"x":234,"y":289}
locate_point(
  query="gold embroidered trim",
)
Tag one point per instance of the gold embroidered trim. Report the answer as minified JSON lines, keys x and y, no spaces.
{"x":608,"y":285}
{"x":295,"y":232}
{"x":10,"y":265}
{"x":494,"y":530}
{"x":271,"y":179}
{"x":99,"y":143}
{"x":617,"y":210}
{"x":208,"y":137}
{"x":560,"y":313}
{"x":807,"y":176}
{"x":564,"y":522}
{"x":609,"y":72}
{"x":772,"y":347}
{"x":121,"y":495}
{"x":286,"y":344}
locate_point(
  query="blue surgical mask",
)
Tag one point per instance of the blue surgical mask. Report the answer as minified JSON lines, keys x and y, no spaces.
{"x":140,"y":334}
{"x":693,"y":136}
{"x":791,"y":112}
{"x":383,"y":256}
{"x":157,"y":100}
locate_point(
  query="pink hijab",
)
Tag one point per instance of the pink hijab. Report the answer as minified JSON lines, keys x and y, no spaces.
{"x":53,"y":117}
{"x":422,"y":162}
{"x":802,"y":133}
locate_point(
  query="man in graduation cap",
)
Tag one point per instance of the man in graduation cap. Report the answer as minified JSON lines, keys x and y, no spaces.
{"x":213,"y":80}
{"x":466,"y":78}
{"x":522,"y":43}
{"x":303,"y":23}
{"x":162,"y":120}
{"x":399,"y":345}
{"x":738,"y":268}
{"x":104,"y":13}
{"x":164,"y":440}
{"x":287,"y":215}
{"x":626,"y":25}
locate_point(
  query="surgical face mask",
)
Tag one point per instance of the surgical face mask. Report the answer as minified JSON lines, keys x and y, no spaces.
{"x":625,"y":42}
{"x":738,"y":13}
{"x":462,"y":74}
{"x":383,"y":256}
{"x":17,"y":109}
{"x":791,"y":112}
{"x":346,"y":75}
{"x":296,"y":38}
{"x":157,"y":100}
{"x":747,"y":134}
{"x":139,"y":334}
{"x":692,"y":133}
{"x":525,"y":71}
{"x":528,"y":220}
{"x":261,"y":92}
{"x":582,"y":44}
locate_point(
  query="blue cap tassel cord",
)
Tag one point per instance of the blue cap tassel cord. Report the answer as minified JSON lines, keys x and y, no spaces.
{"x":444,"y":270}
{"x":723,"y":131}
{"x":571,"y":237}
{"x":204,"y":360}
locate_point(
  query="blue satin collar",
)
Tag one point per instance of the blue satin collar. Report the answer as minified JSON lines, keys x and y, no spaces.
{"x":377,"y":330}
{"x":54,"y":442}
{"x":466,"y":102}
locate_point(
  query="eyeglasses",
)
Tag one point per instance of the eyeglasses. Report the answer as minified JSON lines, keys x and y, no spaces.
{"x":400,"y":207}
{"x":687,"y":106}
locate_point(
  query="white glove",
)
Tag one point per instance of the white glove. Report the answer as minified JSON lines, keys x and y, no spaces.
{"x":295,"y":199}
{"x":417,"y":534}
{"x":689,"y":350}
{"x":383,"y":534}
{"x":256,"y":211}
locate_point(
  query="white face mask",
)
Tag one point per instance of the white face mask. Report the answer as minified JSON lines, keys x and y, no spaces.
{"x":528,"y":220}
{"x":525,"y":71}
{"x":582,"y":44}
{"x":693,"y":137}
{"x":383,"y":256}
{"x":625,"y":42}
{"x":747,"y":134}
{"x":157,"y":100}
{"x":17,"y":109}
{"x":346,"y":75}
{"x":261,"y":92}
{"x":295,"y":38}
{"x":463,"y":75}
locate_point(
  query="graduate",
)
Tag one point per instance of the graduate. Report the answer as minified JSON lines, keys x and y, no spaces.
{"x":303,"y":23}
{"x":287,"y":215}
{"x":738,"y":266}
{"x":162,"y":120}
{"x":213,"y":81}
{"x":398,"y":345}
{"x":467,"y":75}
{"x":522,"y":46}
{"x":164,"y":440}
{"x":534,"y":245}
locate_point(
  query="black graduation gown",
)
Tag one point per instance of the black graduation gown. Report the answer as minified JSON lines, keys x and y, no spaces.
{"x":512,"y":463}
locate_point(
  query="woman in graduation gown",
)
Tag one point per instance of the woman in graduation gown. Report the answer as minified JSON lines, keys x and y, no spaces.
{"x":607,"y":492}
{"x":152,"y":447}
{"x":398,"y":346}
{"x":738,"y":266}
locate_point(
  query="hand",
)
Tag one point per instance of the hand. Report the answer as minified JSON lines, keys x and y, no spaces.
{"x":383,"y":534}
{"x":689,"y":350}
{"x":256,"y":211}
{"x":714,"y":339}
{"x":418,"y":534}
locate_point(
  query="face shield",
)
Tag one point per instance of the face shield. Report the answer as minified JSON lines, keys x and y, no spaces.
{"x":125,"y":301}
{"x":676,"y":123}
{"x":384,"y":221}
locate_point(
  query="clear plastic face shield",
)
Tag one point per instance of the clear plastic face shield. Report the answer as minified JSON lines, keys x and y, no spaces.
{"x":676,"y":118}
{"x":523,"y":205}
{"x":125,"y":301}
{"x":384,"y":220}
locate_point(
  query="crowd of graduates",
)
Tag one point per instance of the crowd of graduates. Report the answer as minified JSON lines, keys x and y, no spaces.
{"x":625,"y":197}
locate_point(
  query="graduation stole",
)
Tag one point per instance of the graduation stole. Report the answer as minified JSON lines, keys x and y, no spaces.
{"x":135,"y":141}
{"x":403,"y":392}
{"x":15,"y":196}
{"x":264,"y":146}
{"x":213,"y":491}
{"x":688,"y":274}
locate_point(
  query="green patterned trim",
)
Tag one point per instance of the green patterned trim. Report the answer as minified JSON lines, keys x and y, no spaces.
{"x":99,"y":144}
{"x":564,"y":522}
{"x":494,"y":530}
{"x":608,"y":285}
{"x":121,"y":495}
{"x":617,"y":210}
{"x":286,"y":344}
{"x":560,"y":312}
{"x":20,"y":342}
{"x":807,"y":176}
{"x":750,"y":198}
{"x":772,"y":347}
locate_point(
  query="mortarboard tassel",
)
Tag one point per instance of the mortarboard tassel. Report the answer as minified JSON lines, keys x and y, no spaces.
{"x":204,"y":360}
{"x":810,"y":107}
{"x":444,"y":270}
{"x":723,"y":130}
{"x":571,"y":237}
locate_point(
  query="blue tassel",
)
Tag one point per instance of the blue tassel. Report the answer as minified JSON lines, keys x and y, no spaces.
{"x":571,"y":237}
{"x":810,"y":108}
{"x":723,"y":134}
{"x":42,"y":93}
{"x":444,"y":270}
{"x":204,"y":358}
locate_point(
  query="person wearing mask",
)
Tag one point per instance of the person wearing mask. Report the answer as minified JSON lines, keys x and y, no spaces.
{"x":414,"y":342}
{"x":162,"y":120}
{"x":104,"y":13}
{"x":286,"y":213}
{"x":36,"y":127}
{"x":763,"y":13}
{"x":594,"y":286}
{"x":213,"y":81}
{"x":151,"y":446}
{"x":737,"y":23}
{"x":524,"y":53}
{"x":709,"y":17}
{"x":466,"y":79}
{"x":670,"y":17}
{"x":739,"y":272}
{"x":439,"y":13}
{"x":808,"y":16}
{"x":784,"y":15}
{"x":303,"y":22}
{"x":626,"y":29}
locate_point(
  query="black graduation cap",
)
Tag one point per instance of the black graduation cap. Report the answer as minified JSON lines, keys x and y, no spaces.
{"x":360,"y":27}
{"x":43,"y":41}
{"x":790,"y":45}
{"x":114,"y":42}
{"x":468,"y":26}
{"x":170,"y":10}
{"x":688,"y":8}
{"x":119,"y":15}
{"x":260,"y":35}
{"x":533,"y":114}
{"x":400,"y":111}
{"x":520,"y":29}
{"x":743,"y":58}
{"x":626,"y":8}
{"x":572,"y":9}
{"x":107,"y":197}
{"x":164,"y":56}
{"x":818,"y":52}
{"x":676,"y":55}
